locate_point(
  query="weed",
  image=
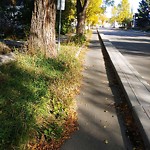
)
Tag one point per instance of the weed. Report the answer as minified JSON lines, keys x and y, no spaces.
{"x":53,"y":131}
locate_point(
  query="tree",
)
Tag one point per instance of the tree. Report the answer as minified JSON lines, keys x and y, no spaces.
{"x":42,"y":32}
{"x":93,"y":11}
{"x":81,"y":7}
{"x":88,"y":10}
{"x":68,"y":16}
{"x":108,"y":2}
{"x":124,"y":13}
{"x":148,"y":3}
{"x":143,"y":13}
{"x":4,"y":3}
{"x":15,"y":17}
{"x":103,"y":18}
{"x":114,"y":13}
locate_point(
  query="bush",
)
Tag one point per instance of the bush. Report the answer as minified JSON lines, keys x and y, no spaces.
{"x":78,"y":39}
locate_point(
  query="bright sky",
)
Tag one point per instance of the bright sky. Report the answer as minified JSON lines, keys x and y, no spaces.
{"x":133,"y":4}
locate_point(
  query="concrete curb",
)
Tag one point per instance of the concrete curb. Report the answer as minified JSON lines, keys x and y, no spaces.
{"x":136,"y":90}
{"x":79,"y":51}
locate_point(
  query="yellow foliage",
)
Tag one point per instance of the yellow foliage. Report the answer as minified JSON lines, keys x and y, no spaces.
{"x":103,"y":18}
{"x":122,"y":13}
{"x":93,"y":11}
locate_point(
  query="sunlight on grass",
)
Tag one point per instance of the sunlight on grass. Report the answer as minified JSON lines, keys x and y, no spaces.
{"x":36,"y":95}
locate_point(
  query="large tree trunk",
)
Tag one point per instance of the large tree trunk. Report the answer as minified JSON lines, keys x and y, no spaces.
{"x":80,"y":23}
{"x":42,"y":32}
{"x":81,"y":16}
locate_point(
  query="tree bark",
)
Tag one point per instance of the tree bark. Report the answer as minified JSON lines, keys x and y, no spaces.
{"x":81,"y":16}
{"x":42,"y":32}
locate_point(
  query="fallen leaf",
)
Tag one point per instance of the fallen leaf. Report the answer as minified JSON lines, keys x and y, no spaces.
{"x":106,"y":141}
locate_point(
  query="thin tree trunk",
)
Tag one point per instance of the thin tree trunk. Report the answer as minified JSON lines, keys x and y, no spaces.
{"x":42,"y":32}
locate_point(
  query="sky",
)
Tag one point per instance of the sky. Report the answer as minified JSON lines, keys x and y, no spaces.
{"x":133,"y":4}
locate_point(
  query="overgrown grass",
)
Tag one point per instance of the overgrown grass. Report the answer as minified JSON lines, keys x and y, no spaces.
{"x":36,"y":97}
{"x":4,"y":49}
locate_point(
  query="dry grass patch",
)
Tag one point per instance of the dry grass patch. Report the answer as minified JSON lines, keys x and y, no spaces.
{"x":4,"y":49}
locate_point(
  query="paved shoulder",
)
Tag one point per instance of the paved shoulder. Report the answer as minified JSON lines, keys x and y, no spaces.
{"x":98,"y":123}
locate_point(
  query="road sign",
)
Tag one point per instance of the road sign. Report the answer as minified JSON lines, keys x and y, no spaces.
{"x":60,"y":4}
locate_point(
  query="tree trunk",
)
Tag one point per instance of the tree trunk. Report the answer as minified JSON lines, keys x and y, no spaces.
{"x":81,"y":16}
{"x":80,"y":23}
{"x":42,"y":32}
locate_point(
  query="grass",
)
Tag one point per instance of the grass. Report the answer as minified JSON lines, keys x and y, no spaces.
{"x":37,"y":98}
{"x":4,"y":49}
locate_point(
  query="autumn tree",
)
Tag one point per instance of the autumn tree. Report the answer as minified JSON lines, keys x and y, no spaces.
{"x":84,"y":12}
{"x":114,"y":13}
{"x":42,"y":32}
{"x":121,"y":13}
{"x":103,"y":18}
{"x":124,"y":12}
{"x":93,"y":11}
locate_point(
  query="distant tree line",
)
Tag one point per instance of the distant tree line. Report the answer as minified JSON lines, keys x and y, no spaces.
{"x":122,"y":14}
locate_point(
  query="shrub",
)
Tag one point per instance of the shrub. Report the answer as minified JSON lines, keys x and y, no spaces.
{"x":78,"y":39}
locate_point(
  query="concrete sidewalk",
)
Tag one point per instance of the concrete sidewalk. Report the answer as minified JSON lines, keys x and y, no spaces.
{"x":99,"y":128}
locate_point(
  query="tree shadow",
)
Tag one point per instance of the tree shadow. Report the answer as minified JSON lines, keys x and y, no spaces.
{"x":15,"y":100}
{"x":122,"y":100}
{"x":135,"y":47}
{"x":123,"y":33}
{"x":94,"y":109}
{"x":21,"y":93}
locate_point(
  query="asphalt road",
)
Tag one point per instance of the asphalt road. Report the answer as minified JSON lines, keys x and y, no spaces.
{"x":135,"y":46}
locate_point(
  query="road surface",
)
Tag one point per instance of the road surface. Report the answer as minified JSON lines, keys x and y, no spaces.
{"x":135,"y":46}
